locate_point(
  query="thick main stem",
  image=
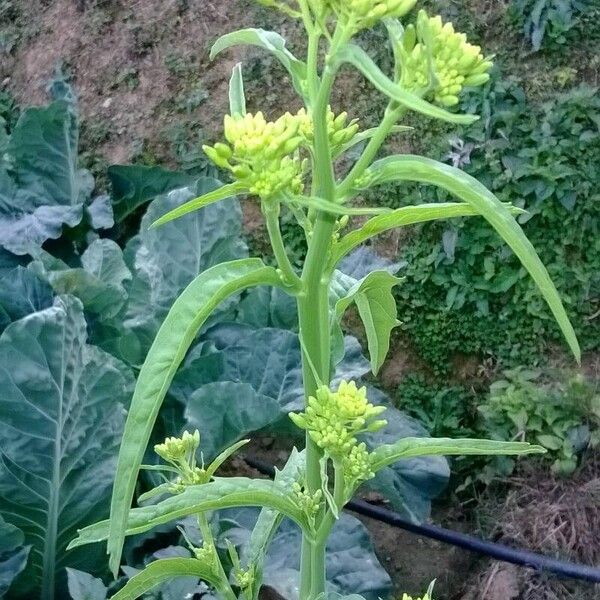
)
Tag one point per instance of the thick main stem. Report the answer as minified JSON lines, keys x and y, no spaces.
{"x":313,"y":312}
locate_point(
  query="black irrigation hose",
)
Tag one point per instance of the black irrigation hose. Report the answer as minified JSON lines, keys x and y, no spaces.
{"x":501,"y":552}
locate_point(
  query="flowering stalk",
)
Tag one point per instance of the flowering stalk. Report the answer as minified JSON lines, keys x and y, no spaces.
{"x":289,"y":163}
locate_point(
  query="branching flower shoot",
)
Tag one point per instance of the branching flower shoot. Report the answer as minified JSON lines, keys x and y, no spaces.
{"x":290,"y":164}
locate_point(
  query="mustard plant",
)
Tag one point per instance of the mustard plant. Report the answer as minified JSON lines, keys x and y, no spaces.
{"x":289,"y":162}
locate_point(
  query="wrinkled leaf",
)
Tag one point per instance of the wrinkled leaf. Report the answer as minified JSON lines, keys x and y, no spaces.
{"x":83,"y":586}
{"x":99,"y":283}
{"x":22,"y":293}
{"x":43,"y":189}
{"x":61,"y":419}
{"x":13,"y":554}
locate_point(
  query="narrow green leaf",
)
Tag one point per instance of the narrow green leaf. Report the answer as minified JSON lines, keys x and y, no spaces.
{"x":225,"y":191}
{"x":223,"y":456}
{"x":164,"y":570}
{"x":237,"y":98}
{"x":221,"y":493}
{"x":414,"y":446}
{"x":377,"y":308}
{"x":174,"y":338}
{"x":467,"y":188}
{"x":270,"y":41}
{"x":357,"y":57}
{"x":407,"y":215}
{"x":333,"y":208}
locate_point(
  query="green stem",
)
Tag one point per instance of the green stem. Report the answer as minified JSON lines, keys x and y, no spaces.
{"x":271,"y":211}
{"x":393,"y":113}
{"x":207,"y":537}
{"x":313,"y":310}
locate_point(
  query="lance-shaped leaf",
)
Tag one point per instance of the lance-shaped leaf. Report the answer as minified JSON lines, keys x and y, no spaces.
{"x":407,"y":215}
{"x":163,"y":570}
{"x":271,"y":42}
{"x":357,"y":57}
{"x":413,"y":446}
{"x":173,"y":340}
{"x":221,"y":193}
{"x":237,"y":98}
{"x":333,"y":208}
{"x":377,"y":308}
{"x":221,"y":493}
{"x":61,"y":417}
{"x":468,"y":189}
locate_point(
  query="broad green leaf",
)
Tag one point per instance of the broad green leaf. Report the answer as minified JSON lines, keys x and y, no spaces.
{"x":411,"y":447}
{"x":226,"y":411}
{"x":357,"y":57}
{"x":134,"y":185}
{"x":163,"y":570}
{"x":22,"y":293}
{"x":471,"y":191}
{"x":237,"y":98}
{"x":409,"y":485}
{"x":44,"y":188}
{"x":333,"y":208}
{"x":219,"y":494}
{"x":270,"y":41}
{"x":268,"y":307}
{"x":377,"y":308}
{"x":61,"y":418}
{"x":407,"y":215}
{"x":99,"y":212}
{"x":13,"y":554}
{"x":173,"y":340}
{"x":83,"y":586}
{"x":221,"y":193}
{"x":256,"y":366}
{"x":99,"y":283}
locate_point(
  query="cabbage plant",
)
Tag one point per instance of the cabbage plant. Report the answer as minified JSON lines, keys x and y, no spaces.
{"x":289,"y":163}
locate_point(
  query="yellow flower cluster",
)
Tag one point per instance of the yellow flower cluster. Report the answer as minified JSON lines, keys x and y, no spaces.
{"x":260,"y":154}
{"x":407,"y":597}
{"x":339,"y":129}
{"x":366,"y":13}
{"x":175,"y":450}
{"x":263,"y":155}
{"x":435,"y":46}
{"x":334,"y":418}
{"x":181,"y":453}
